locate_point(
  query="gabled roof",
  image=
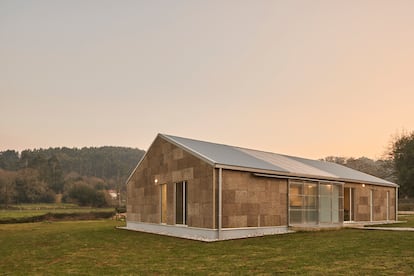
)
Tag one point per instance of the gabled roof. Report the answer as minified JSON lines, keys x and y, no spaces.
{"x":225,"y":156}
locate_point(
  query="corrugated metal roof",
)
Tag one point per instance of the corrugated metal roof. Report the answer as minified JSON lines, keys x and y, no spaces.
{"x":289,"y":164}
{"x":224,"y":155}
{"x":218,"y":154}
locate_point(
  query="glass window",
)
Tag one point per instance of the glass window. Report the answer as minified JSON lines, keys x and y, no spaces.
{"x":325,"y":189}
{"x":303,"y":203}
{"x":296,"y":188}
{"x":295,"y":216}
{"x":313,"y":202}
{"x":181,"y":202}
{"x":324,"y":209}
{"x":310,"y":189}
{"x":295,"y":201}
{"x":163,"y":203}
{"x":329,"y":199}
{"x":335,"y":203}
{"x":310,"y":202}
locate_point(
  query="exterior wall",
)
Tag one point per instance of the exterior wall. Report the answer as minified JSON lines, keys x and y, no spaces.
{"x":169,"y":164}
{"x":251,"y":205}
{"x":251,"y":201}
{"x":362,"y":202}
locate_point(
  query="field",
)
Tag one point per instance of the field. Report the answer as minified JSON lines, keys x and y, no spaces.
{"x":97,"y":247}
{"x":39,"y":212}
{"x":405,"y":221}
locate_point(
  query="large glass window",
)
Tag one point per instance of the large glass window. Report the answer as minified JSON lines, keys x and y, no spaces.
{"x":314,"y":202}
{"x":181,"y":202}
{"x":303,"y":202}
{"x":329,"y":199}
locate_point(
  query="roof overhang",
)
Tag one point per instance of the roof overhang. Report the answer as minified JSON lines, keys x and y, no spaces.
{"x":275,"y":174}
{"x":256,"y":171}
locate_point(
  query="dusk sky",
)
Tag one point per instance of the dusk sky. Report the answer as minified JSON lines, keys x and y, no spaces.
{"x":304,"y":78}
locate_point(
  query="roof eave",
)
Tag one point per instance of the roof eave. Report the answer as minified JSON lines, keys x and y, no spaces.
{"x":309,"y":176}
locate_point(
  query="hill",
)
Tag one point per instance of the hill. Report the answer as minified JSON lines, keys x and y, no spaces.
{"x":46,"y":175}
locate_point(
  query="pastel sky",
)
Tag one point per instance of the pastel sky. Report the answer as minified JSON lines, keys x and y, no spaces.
{"x":305,"y":78}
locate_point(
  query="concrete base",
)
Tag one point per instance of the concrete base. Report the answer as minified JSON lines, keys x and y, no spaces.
{"x":203,"y":234}
{"x":358,"y":224}
{"x":316,"y":227}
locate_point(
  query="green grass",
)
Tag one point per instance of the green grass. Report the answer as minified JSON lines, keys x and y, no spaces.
{"x":7,"y":214}
{"x":37,"y":206}
{"x":406,"y":221}
{"x":96,"y":247}
{"x":21,"y":212}
{"x":406,"y":204}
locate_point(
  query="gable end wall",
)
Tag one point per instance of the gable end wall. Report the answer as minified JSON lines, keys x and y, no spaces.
{"x":170,"y":164}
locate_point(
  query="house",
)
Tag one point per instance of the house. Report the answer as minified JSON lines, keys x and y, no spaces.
{"x":113,"y":194}
{"x":206,"y":191}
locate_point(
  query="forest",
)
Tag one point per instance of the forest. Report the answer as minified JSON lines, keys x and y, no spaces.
{"x":83,"y":176}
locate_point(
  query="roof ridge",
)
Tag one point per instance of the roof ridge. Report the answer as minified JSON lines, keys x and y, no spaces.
{"x":219,"y":153}
{"x":236,"y":147}
{"x":198,"y":140}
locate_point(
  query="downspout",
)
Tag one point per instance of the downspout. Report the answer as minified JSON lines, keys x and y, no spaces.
{"x":220,"y":211}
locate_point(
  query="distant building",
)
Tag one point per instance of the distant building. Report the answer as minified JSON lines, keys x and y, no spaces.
{"x":207,"y":191}
{"x":113,"y":194}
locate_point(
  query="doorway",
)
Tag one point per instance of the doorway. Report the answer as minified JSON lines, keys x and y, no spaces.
{"x":163,"y":203}
{"x":349,"y":204}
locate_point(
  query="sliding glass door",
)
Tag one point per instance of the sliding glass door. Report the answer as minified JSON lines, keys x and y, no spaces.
{"x":349,"y":206}
{"x":329,"y":196}
{"x":181,"y":203}
{"x":314,"y":202}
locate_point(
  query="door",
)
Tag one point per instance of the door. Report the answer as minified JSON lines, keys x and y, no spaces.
{"x":181,"y":203}
{"x":349,"y":206}
{"x":163,"y":203}
{"x":371,"y":205}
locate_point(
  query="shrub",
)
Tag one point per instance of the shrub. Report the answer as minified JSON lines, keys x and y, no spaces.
{"x":85,"y":195}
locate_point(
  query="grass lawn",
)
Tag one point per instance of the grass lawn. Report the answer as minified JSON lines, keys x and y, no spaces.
{"x":31,"y":210}
{"x":96,"y":247}
{"x":406,"y":221}
{"x":409,"y":220}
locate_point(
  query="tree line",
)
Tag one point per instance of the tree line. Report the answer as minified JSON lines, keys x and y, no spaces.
{"x":397,"y":166}
{"x":382,"y":168}
{"x":81,"y":176}
{"x":84,"y":175}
